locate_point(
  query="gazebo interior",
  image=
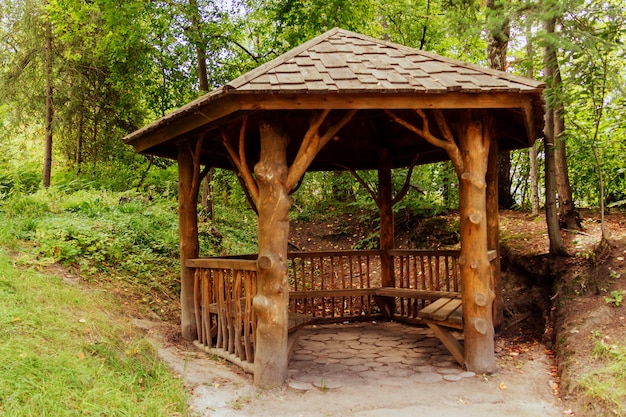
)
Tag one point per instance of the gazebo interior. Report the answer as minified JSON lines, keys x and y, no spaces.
{"x":345,"y":101}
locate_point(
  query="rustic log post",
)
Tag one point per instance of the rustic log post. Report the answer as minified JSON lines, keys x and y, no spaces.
{"x":188,"y":231}
{"x":476,"y":271}
{"x":272,"y":299}
{"x":493,"y":228}
{"x":387,"y":305}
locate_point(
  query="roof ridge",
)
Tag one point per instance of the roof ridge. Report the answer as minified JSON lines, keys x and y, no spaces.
{"x":502,"y":74}
{"x":281,"y":59}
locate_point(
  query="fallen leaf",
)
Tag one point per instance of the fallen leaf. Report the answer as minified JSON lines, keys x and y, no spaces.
{"x":502,"y":386}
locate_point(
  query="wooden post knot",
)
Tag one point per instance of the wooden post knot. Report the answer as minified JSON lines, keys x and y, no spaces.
{"x":475,"y":216}
{"x":474,"y":179}
{"x":480,"y":325}
{"x":264,"y":262}
{"x":480,"y":299}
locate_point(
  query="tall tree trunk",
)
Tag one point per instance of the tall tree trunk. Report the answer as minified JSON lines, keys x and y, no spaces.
{"x":567,"y":211}
{"x":272,"y":299}
{"x":47,"y":163}
{"x":79,"y":141}
{"x":557,"y":246}
{"x":197,"y":38}
{"x":499,"y":34}
{"x":534,"y":180}
{"x":532,"y":152}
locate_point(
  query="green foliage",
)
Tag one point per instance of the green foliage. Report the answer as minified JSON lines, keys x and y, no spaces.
{"x":75,"y":360}
{"x":615,"y":298}
{"x":605,"y":384}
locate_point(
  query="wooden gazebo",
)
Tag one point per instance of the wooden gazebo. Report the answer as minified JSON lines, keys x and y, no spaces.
{"x":345,"y":101}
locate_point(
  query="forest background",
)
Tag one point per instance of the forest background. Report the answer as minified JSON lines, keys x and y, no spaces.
{"x":76,"y":76}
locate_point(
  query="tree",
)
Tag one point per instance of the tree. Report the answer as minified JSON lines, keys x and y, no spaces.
{"x":557,"y":246}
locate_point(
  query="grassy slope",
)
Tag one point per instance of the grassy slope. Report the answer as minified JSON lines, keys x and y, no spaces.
{"x":69,"y":352}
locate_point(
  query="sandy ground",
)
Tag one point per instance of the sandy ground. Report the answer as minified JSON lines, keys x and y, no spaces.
{"x":522,"y":387}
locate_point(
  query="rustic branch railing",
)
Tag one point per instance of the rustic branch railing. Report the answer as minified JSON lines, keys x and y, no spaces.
{"x":326,"y":286}
{"x":319,"y":278}
{"x":223,"y":293}
{"x":426,"y":271}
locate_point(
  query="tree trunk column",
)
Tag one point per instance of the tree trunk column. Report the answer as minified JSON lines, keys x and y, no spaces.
{"x":493,"y":229}
{"x":476,"y":274}
{"x":386,"y":304}
{"x":271,"y":302}
{"x":188,"y":231}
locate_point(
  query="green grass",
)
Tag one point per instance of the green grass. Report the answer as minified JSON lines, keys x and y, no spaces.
{"x":70,"y":352}
{"x":606,"y":384}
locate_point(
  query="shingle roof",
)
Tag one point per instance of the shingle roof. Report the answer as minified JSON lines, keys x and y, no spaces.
{"x":345,"y":70}
{"x":343,"y":61}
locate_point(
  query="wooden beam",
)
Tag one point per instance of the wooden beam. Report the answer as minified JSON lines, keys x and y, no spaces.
{"x":493,"y":229}
{"x":182,"y":121}
{"x":386,"y":304}
{"x":449,"y":100}
{"x":188,"y":230}
{"x":453,"y":345}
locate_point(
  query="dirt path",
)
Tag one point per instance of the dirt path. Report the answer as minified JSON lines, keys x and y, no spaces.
{"x":522,"y":387}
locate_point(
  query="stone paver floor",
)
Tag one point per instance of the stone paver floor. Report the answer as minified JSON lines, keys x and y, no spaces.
{"x":371,"y":353}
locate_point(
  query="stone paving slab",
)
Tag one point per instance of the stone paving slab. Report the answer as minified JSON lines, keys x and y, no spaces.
{"x":386,"y":354}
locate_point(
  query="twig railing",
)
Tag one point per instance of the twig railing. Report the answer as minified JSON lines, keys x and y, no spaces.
{"x":327,"y":286}
{"x":425,"y":271}
{"x":333,"y":284}
{"x":223,"y":294}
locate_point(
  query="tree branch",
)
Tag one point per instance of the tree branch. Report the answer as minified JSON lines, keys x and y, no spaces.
{"x":360,"y":180}
{"x":312,"y":143}
{"x":449,"y":145}
{"x":407,"y":183}
{"x":244,"y":187}
{"x":239,"y":160}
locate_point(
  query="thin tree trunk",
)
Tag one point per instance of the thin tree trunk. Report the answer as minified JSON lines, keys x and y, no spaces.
{"x":499,"y":34}
{"x":557,"y":246}
{"x":203,"y":83}
{"x":272,"y":299}
{"x":534,"y":180}
{"x":79,"y":141}
{"x":532,"y":152}
{"x":47,"y":163}
{"x":567,"y":211}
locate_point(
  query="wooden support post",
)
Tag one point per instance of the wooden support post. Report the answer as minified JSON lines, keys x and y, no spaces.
{"x":476,"y":273}
{"x":387,"y":305}
{"x":493,"y":229}
{"x":272,"y":300}
{"x":188,"y":230}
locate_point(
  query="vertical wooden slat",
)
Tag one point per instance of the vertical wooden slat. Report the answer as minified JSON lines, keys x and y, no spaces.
{"x":196,"y":303}
{"x":221,"y":319}
{"x":254,"y":280}
{"x":437,"y":276}
{"x":238,"y":316}
{"x":247,"y":318}
{"x":230,"y":314}
{"x":206,"y":297}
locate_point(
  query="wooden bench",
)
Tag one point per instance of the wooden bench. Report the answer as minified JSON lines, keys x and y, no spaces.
{"x":442,"y":314}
